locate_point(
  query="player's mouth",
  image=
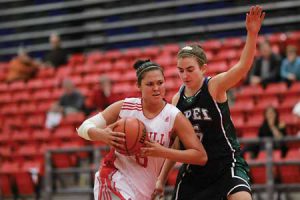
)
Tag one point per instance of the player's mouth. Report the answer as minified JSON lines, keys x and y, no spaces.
{"x":156,"y":95}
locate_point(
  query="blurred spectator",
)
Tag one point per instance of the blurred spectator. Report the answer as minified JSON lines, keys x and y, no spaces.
{"x":266,"y":68}
{"x":71,"y":101}
{"x":102,"y":95}
{"x":290,"y":68}
{"x":271,"y":127}
{"x":22,"y":67}
{"x":57,"y":56}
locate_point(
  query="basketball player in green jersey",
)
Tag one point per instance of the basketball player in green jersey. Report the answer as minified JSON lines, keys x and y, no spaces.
{"x":203,"y":100}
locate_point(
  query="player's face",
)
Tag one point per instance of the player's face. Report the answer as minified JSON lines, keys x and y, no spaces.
{"x":190,"y":72}
{"x":153,"y":86}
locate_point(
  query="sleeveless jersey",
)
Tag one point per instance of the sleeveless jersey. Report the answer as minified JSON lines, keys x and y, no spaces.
{"x":214,"y":127}
{"x":159,"y":128}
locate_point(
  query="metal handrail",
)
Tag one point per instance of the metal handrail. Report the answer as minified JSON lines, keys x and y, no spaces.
{"x":269,"y":187}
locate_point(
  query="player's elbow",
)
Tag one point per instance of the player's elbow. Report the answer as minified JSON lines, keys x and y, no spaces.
{"x":202,"y":158}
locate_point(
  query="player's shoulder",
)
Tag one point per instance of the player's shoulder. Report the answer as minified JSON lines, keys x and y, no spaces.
{"x":132,"y":100}
{"x":175,"y":98}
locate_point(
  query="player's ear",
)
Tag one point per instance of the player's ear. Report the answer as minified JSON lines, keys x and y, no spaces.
{"x":203,"y":68}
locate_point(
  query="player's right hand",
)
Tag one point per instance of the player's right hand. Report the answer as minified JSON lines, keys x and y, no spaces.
{"x":114,"y":139}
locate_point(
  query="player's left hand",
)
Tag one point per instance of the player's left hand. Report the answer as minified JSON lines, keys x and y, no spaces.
{"x":158,"y":193}
{"x":254,"y":19}
{"x":152,"y":149}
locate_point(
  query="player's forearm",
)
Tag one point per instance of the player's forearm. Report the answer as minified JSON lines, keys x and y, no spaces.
{"x":248,"y":53}
{"x":89,"y":129}
{"x":168,"y":165}
{"x":189,"y":156}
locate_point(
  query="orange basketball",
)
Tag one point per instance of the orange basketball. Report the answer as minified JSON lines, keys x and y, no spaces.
{"x":135,"y":135}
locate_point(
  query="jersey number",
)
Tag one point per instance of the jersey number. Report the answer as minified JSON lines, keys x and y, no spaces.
{"x":198,"y":132}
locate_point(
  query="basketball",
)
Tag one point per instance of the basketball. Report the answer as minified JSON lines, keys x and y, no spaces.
{"x":135,"y":135}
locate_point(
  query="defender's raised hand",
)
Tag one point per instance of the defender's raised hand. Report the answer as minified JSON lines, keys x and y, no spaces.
{"x":254,"y":19}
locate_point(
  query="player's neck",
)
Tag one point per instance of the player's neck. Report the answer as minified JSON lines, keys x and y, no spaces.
{"x":191,"y":91}
{"x":152,"y":110}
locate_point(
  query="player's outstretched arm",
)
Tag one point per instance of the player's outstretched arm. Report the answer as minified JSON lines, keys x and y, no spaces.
{"x":224,"y":81}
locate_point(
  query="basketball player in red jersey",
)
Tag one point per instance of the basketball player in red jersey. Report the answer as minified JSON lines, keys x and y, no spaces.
{"x":134,"y":177}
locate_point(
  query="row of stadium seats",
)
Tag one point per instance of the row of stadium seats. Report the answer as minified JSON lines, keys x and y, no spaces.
{"x":24,"y":140}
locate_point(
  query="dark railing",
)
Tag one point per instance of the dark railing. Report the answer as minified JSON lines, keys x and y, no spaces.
{"x":270,"y":187}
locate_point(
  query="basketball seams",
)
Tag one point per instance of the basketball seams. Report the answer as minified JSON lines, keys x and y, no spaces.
{"x":124,"y":131}
{"x":137,"y":136}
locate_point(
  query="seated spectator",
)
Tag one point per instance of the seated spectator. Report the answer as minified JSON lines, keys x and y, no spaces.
{"x":271,"y":127}
{"x":102,"y":95}
{"x":290,"y":68}
{"x":71,"y":101}
{"x":266,"y":68}
{"x":57,"y":56}
{"x":22,"y":67}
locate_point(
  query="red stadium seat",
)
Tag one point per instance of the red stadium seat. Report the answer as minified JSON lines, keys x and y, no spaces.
{"x":24,"y":183}
{"x":5,"y":98}
{"x":21,"y":136}
{"x":28,"y":108}
{"x":287,"y":105}
{"x":35,"y":84}
{"x":10,"y":109}
{"x":6,"y":185}
{"x":151,"y":52}
{"x":262,"y":104}
{"x":253,"y":123}
{"x":293,"y":91}
{"x":121,"y":65}
{"x":171,"y":48}
{"x":77,"y":59}
{"x":132,"y":53}
{"x":277,"y":38}
{"x":258,"y":173}
{"x":242,"y":106}
{"x":73,"y":119}
{"x":3,"y":87}
{"x":217,"y":67}
{"x":166,"y":61}
{"x":293,"y":37}
{"x":274,"y":89}
{"x":45,"y":73}
{"x":291,"y":173}
{"x":129,"y":76}
{"x":36,"y":121}
{"x":113,"y":54}
{"x":17,"y":86}
{"x":41,"y":95}
{"x":226,"y":54}
{"x":229,"y":43}
{"x":95,"y":57}
{"x":41,"y":135}
{"x":211,"y":45}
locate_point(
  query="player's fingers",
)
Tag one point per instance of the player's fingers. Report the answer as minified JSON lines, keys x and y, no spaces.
{"x":117,"y":145}
{"x":119,"y":139}
{"x":252,"y":10}
{"x":118,"y":134}
{"x":149,"y":143}
{"x":262,"y":17}
{"x":113,"y":125}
